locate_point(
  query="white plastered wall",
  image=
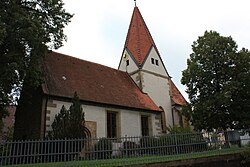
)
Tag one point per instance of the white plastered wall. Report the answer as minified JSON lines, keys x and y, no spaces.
{"x":154,"y":81}
{"x":92,"y":113}
{"x":130,"y":120}
{"x":156,"y":84}
{"x":158,"y":89}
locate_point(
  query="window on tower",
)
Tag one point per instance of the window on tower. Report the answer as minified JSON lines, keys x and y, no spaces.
{"x":127,"y":62}
{"x":156,"y":62}
{"x":152,"y":60}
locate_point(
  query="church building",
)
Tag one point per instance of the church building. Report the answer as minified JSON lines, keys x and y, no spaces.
{"x":137,"y":99}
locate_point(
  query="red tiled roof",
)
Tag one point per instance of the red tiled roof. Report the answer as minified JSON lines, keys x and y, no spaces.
{"x":177,"y":97}
{"x":139,"y":40}
{"x":93,"y":83}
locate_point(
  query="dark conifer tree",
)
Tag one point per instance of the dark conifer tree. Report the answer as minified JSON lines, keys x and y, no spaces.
{"x":69,"y":123}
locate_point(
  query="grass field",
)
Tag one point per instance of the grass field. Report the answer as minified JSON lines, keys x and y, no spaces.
{"x":136,"y":160}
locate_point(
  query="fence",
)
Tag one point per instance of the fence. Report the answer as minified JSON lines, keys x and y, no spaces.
{"x":97,"y":152}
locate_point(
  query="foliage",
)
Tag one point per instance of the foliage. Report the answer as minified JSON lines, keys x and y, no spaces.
{"x":173,"y":143}
{"x":103,"y":149}
{"x":3,"y":113}
{"x":183,"y":143}
{"x":218,"y":83}
{"x":28,"y":28}
{"x":9,"y":133}
{"x":69,"y":123}
{"x":1,"y":126}
{"x":129,"y":148}
{"x":246,"y":154}
{"x":148,"y":145}
{"x":178,"y":129}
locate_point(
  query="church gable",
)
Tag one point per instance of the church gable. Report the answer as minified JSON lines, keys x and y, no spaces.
{"x":127,"y":62}
{"x":154,"y":64}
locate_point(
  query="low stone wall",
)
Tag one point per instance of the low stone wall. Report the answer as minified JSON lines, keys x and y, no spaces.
{"x":232,"y":160}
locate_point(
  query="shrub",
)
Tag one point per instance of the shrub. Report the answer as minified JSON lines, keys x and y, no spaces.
{"x":148,"y":145}
{"x":167,"y":145}
{"x":129,"y":148}
{"x":173,"y":144}
{"x":248,"y":144}
{"x":103,"y":149}
{"x":246,"y":155}
{"x":178,"y":129}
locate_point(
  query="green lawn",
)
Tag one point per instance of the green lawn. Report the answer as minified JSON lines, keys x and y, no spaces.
{"x":137,"y":160}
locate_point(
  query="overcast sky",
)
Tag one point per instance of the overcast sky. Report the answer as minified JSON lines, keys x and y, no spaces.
{"x":98,"y":29}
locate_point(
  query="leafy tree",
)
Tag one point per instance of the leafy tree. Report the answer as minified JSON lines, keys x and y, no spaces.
{"x":69,"y":123}
{"x":177,"y":129}
{"x":218,"y":83}
{"x":28,"y":28}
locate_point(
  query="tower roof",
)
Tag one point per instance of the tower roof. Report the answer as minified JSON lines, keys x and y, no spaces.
{"x":139,"y":40}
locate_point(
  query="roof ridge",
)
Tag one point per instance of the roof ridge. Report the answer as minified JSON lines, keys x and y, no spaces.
{"x":72,"y":57}
{"x":138,"y":42}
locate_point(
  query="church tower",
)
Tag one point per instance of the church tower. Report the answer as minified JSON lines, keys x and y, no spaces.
{"x":142,"y":61}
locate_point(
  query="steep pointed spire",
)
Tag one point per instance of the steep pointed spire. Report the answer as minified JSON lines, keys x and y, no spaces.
{"x":139,"y":40}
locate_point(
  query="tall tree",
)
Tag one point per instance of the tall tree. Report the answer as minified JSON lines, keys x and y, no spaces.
{"x":28,"y":28}
{"x":218,"y":83}
{"x":69,"y":123}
